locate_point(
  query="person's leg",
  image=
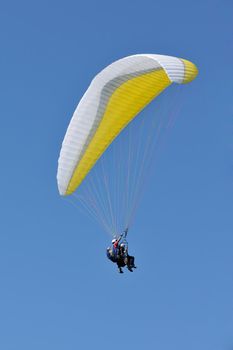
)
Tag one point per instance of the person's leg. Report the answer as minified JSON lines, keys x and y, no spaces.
{"x":119,"y":265}
{"x":129,"y":263}
{"x":132,"y":262}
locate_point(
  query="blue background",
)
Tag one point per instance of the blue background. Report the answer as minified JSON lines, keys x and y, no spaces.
{"x":57,"y":291}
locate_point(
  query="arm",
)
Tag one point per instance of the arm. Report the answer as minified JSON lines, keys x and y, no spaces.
{"x":119,"y":238}
{"x":117,"y":242}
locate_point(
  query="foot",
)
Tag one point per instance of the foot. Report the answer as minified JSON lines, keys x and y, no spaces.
{"x":130,"y":269}
{"x":120,"y":271}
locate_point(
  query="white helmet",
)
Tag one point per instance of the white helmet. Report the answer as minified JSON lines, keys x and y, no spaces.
{"x":122,"y":245}
{"x":114,"y":240}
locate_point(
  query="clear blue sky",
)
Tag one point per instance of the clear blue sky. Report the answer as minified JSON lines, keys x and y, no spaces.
{"x":57,"y":290}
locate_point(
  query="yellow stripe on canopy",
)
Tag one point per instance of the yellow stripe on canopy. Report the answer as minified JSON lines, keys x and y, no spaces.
{"x":190,"y":71}
{"x":124,"y":104}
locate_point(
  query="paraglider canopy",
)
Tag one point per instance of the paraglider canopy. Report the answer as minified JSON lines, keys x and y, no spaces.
{"x":116,"y":95}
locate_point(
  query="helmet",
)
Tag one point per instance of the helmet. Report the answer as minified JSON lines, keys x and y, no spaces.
{"x":114,"y":240}
{"x":122,"y":245}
